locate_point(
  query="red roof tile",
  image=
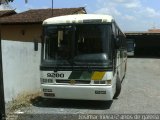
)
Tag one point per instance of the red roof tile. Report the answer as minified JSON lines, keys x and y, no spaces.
{"x":154,"y":30}
{"x":38,"y":15}
{"x":7,"y":13}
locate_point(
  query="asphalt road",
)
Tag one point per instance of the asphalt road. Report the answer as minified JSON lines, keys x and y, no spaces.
{"x":140,"y":94}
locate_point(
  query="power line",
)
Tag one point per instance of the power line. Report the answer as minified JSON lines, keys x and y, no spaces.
{"x":2,"y":101}
{"x":52,"y":7}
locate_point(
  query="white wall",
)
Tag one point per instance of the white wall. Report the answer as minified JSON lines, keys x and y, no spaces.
{"x":20,"y":68}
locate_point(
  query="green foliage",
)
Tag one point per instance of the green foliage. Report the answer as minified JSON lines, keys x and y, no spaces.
{"x":10,"y":0}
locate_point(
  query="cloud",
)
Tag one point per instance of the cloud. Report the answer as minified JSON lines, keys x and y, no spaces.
{"x":125,"y":3}
{"x":114,"y":7}
{"x":152,"y":12}
{"x":129,"y":14}
{"x":111,"y":11}
{"x":147,"y":12}
{"x":129,"y":17}
{"x":133,"y":5}
{"x":107,"y":8}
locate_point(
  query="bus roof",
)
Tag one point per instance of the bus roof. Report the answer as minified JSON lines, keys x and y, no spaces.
{"x":78,"y":18}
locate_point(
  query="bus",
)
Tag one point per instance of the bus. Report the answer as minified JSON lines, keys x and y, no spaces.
{"x":83,"y":57}
{"x":130,"y":47}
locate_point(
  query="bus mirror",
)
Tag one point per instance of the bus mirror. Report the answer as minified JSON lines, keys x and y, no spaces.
{"x":117,"y":42}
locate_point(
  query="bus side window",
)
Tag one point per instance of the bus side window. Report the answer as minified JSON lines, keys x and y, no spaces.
{"x":114,"y":30}
{"x":114,"y":35}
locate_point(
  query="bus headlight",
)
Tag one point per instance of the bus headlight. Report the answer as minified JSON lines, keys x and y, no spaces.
{"x":109,"y":82}
{"x":43,"y":81}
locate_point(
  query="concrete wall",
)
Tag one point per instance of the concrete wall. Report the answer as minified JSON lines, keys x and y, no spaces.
{"x":20,"y":68}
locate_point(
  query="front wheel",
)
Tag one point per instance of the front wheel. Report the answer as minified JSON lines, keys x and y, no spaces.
{"x":118,"y":87}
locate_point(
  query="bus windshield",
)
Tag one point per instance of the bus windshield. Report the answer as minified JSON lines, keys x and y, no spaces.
{"x":78,"y":44}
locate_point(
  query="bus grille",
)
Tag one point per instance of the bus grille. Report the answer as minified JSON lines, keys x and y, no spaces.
{"x":75,"y":81}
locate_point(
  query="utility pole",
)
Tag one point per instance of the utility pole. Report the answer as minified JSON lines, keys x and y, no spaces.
{"x":2,"y":101}
{"x":52,"y":8}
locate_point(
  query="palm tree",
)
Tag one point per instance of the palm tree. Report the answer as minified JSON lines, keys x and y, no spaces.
{"x":13,"y":0}
{"x":6,"y":1}
{"x":10,"y":0}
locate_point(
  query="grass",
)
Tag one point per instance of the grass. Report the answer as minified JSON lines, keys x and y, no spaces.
{"x":22,"y":101}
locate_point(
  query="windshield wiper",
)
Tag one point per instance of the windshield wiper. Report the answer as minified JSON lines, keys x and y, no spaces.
{"x":89,"y":67}
{"x":56,"y":67}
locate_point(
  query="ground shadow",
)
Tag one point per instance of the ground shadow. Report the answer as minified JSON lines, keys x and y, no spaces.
{"x":147,"y":53}
{"x":77,"y":104}
{"x":145,"y":56}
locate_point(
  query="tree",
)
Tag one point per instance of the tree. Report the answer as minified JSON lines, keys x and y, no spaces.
{"x":10,"y":0}
{"x":13,"y":0}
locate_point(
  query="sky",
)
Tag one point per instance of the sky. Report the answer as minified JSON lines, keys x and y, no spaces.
{"x":130,"y":15}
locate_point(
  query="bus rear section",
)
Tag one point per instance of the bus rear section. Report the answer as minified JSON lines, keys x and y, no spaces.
{"x":80,"y":59}
{"x":130,"y":47}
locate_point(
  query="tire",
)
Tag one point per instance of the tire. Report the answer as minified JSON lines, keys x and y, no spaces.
{"x":118,"y":88}
{"x":125,"y":72}
{"x":125,"y":68}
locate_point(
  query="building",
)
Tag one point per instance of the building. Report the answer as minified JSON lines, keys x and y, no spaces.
{"x":147,"y":43}
{"x":27,"y":26}
{"x":4,"y":13}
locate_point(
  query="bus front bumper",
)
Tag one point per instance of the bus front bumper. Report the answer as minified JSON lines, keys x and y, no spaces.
{"x":77,"y":92}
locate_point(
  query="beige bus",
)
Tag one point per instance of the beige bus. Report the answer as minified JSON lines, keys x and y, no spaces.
{"x":83,"y":57}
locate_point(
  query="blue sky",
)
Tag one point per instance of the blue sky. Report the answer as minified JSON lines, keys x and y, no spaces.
{"x":131,"y":15}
